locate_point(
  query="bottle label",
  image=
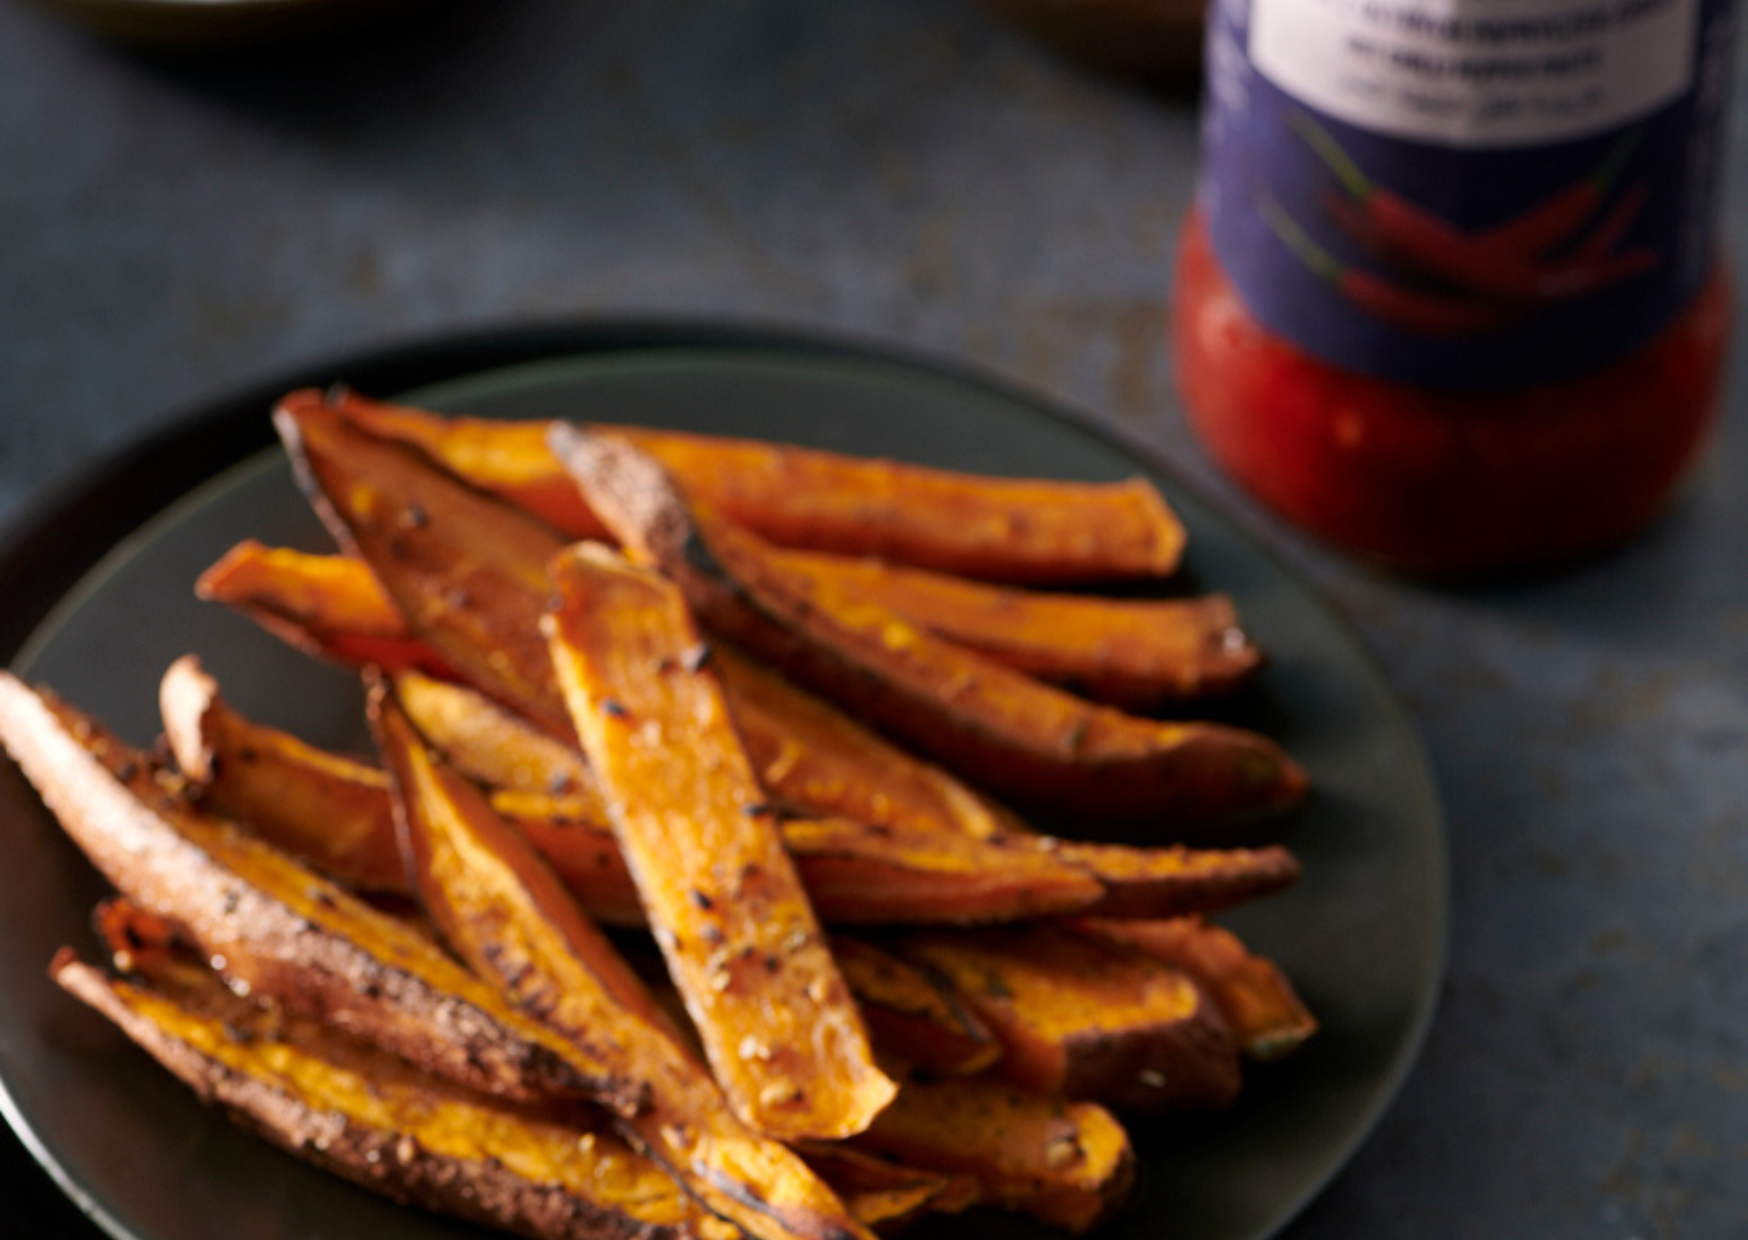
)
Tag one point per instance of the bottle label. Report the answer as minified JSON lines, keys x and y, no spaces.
{"x":1466,"y":194}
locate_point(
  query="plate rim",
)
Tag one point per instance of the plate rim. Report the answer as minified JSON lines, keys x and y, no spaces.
{"x":56,"y":536}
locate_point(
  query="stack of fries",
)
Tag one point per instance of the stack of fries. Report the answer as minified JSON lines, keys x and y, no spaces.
{"x":697,"y":886}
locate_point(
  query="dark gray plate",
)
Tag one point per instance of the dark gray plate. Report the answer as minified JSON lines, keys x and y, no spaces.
{"x":1363,"y":935}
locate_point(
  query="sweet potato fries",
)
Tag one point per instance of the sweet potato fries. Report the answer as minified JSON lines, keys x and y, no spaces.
{"x":682,"y":895}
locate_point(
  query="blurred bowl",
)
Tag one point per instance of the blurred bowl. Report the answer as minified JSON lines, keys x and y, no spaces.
{"x":1158,"y":41}
{"x":217,"y":23}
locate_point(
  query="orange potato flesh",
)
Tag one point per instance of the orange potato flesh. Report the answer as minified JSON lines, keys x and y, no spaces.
{"x":818,"y":759}
{"x":1069,"y":1164}
{"x":1088,"y":1020}
{"x":1024,"y":530}
{"x":496,"y":747}
{"x":724,"y":900}
{"x":496,"y":904}
{"x":869,"y":874}
{"x":1260,"y":1005}
{"x":1137,"y":654}
{"x":327,"y":606}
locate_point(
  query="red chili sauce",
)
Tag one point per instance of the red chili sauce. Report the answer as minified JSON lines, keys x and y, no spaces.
{"x":1445,"y":483}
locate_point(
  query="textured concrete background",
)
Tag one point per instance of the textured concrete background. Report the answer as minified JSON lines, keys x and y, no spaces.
{"x":909,"y":171}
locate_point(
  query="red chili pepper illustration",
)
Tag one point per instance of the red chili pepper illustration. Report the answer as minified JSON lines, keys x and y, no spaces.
{"x":1557,"y":218}
{"x":1388,"y":219}
{"x":1412,"y":309}
{"x":1507,"y":276}
{"x":1503,"y":261}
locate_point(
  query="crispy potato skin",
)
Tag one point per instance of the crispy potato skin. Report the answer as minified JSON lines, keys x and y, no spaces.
{"x":465,"y":570}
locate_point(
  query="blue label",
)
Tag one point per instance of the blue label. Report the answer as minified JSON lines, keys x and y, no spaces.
{"x":1466,"y":194}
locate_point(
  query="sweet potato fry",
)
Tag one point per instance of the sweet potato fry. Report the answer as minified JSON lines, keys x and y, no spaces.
{"x":1026,"y":530}
{"x":722,"y":895}
{"x":320,"y":604}
{"x":467,"y":571}
{"x":1065,"y":1163}
{"x":371,"y":1118}
{"x":495,"y":746}
{"x":331,"y":811}
{"x":868,"y":874}
{"x":1137,"y":654}
{"x":1000,"y":728}
{"x":284,"y":932}
{"x":505,"y":913}
{"x":855,"y":874}
{"x":302,"y":597}
{"x":818,"y":760}
{"x":494,"y":902}
{"x":1167,"y":882}
{"x":582,"y":851}
{"x":1088,"y":1020}
{"x":911,"y":1016}
{"x":1260,"y":1005}
{"x":576,"y":734}
{"x":508,"y":459}
{"x":884,"y":1195}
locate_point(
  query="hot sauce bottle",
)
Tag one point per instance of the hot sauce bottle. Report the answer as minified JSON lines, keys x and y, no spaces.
{"x":1450,"y":295}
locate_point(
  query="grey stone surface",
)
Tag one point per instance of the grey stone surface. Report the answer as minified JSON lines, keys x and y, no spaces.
{"x":908,"y":171}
